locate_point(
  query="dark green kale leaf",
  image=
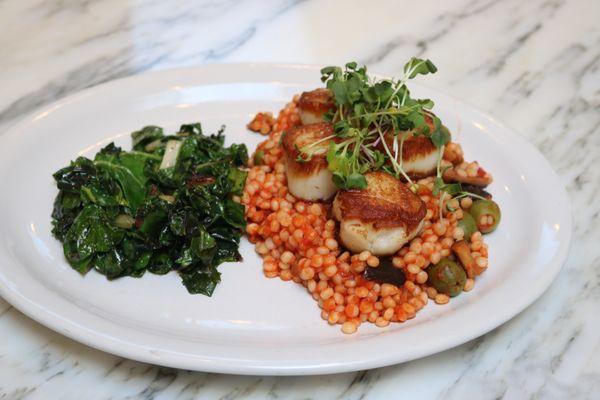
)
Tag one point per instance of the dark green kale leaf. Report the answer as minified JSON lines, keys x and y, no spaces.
{"x":201,"y":281}
{"x":91,"y":233}
{"x":127,"y":169}
{"x":66,"y":207}
{"x":237,"y":180}
{"x":147,"y":139}
{"x":191,"y":129}
{"x":233,"y":214}
{"x":70,"y":179}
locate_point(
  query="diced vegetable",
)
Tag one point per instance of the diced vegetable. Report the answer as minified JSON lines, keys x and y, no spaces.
{"x":463,"y":252}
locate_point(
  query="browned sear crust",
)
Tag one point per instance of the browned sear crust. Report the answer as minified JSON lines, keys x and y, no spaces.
{"x":386,"y":202}
{"x":414,"y":147}
{"x":419,"y":146}
{"x":318,"y":101}
{"x":303,"y":135}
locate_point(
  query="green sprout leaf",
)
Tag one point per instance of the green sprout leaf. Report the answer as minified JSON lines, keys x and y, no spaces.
{"x":356,"y":181}
{"x":367,"y":112}
{"x":440,"y":137}
{"x":418,"y":66}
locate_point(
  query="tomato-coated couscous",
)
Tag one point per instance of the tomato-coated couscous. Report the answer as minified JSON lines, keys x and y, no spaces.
{"x":298,"y":240}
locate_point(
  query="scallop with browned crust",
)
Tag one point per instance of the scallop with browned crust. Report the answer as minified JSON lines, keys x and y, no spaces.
{"x":380,"y":218}
{"x":305,"y":148}
{"x":419,"y":154}
{"x":314,"y":104}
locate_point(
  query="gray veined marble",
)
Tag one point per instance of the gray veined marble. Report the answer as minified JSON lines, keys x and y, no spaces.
{"x":534,"y":64}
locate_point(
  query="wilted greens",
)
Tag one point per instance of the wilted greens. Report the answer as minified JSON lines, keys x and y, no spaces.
{"x":166,"y":205}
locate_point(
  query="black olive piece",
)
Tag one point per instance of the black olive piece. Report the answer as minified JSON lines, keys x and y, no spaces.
{"x":385,"y":273}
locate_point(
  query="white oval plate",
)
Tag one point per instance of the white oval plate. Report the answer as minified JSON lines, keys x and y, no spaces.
{"x":253,"y":325}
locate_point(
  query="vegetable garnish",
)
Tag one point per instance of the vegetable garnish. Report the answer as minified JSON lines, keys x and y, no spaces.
{"x":169,"y":204}
{"x":369,"y":113}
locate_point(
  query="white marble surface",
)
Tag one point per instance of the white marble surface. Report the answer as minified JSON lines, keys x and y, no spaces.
{"x":534,"y":64}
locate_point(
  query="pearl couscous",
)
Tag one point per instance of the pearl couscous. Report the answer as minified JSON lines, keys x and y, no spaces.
{"x":298,"y":240}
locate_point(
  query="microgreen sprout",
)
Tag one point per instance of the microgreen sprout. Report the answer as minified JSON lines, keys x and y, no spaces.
{"x":371,"y":121}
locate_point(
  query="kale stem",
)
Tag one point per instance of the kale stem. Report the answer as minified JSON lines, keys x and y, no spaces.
{"x":209,"y":163}
{"x":143,"y":154}
{"x":121,"y":168}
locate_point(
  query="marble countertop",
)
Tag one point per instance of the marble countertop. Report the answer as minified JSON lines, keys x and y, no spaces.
{"x":534,"y":64}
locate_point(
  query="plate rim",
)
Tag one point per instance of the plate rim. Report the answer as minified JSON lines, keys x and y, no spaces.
{"x":116,"y":346}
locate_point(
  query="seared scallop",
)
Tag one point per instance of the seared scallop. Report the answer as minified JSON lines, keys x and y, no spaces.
{"x":314,"y":104}
{"x":419,"y":155}
{"x":380,"y":218}
{"x":305,"y":149}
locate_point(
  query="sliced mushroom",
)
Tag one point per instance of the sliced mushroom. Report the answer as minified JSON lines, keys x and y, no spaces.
{"x":482,"y":180}
{"x":463,"y":252}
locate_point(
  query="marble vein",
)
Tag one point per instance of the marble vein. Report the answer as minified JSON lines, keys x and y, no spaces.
{"x":535,"y":64}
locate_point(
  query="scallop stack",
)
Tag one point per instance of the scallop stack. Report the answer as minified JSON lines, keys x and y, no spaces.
{"x":381,"y":218}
